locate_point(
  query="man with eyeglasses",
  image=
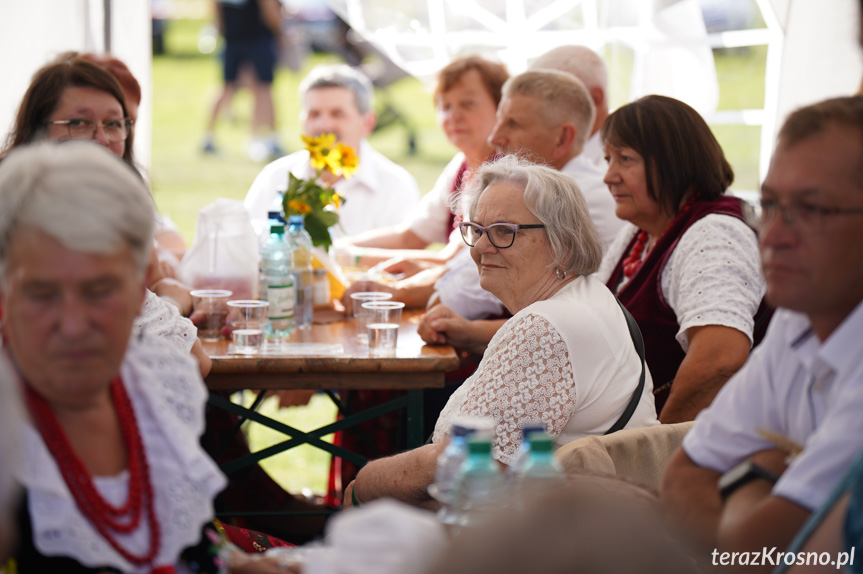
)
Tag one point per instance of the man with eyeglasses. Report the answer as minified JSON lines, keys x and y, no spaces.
{"x":787,"y":426}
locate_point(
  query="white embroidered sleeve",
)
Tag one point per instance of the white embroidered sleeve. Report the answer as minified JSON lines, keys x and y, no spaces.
{"x":713,"y":277}
{"x":525,"y":376}
{"x":160,"y":320}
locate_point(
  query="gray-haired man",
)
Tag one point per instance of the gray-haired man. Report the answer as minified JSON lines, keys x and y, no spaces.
{"x":338,"y":99}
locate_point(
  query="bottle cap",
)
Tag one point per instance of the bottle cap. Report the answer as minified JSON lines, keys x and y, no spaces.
{"x":541,"y":442}
{"x":479,"y":445}
{"x":277,"y":228}
{"x":529,"y":428}
{"x":275,"y":216}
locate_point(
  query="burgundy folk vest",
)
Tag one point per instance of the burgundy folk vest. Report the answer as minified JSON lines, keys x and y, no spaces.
{"x":642,"y":296}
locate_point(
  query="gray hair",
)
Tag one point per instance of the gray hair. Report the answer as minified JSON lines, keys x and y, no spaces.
{"x":80,"y":194}
{"x":555,"y":200}
{"x":564,"y":97}
{"x":579,"y":61}
{"x":340,"y":76}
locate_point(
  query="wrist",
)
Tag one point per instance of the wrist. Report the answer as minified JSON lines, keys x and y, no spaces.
{"x":742,"y":474}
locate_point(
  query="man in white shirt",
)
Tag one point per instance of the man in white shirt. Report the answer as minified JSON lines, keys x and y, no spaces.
{"x":338,"y":99}
{"x":589,"y":67}
{"x":739,"y":483}
{"x":547,"y":116}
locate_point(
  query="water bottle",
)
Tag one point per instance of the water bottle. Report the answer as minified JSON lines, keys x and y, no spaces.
{"x":523,"y":452}
{"x":481,"y":486}
{"x":301,"y":243}
{"x":449,"y":466}
{"x":542,"y":471}
{"x":277,"y":284}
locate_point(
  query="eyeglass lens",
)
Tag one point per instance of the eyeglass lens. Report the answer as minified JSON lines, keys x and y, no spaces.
{"x":115,"y":130}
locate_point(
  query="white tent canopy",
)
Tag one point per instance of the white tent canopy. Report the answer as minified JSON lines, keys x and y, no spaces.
{"x":813,"y":50}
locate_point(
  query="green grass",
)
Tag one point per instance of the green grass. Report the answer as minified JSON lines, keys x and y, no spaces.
{"x":186,"y":85}
{"x":303,"y":467}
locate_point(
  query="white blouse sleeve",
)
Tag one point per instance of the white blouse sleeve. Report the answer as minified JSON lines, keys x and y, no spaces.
{"x":161,"y":320}
{"x":713,"y":277}
{"x":528,"y":378}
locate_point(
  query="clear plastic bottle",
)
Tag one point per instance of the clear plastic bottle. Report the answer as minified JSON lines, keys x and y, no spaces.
{"x":277,"y":283}
{"x":301,"y":242}
{"x":542,"y":470}
{"x":481,"y":485}
{"x":523,"y":453}
{"x":449,"y":467}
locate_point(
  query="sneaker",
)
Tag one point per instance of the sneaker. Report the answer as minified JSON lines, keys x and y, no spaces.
{"x":258,"y":150}
{"x":209,"y":147}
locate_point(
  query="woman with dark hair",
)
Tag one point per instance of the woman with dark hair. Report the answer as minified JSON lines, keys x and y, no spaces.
{"x":688,"y":268}
{"x":73,"y":98}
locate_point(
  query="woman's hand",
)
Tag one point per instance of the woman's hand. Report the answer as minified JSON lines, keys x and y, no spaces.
{"x":175,"y":293}
{"x":405,"y":267}
{"x":443,"y":326}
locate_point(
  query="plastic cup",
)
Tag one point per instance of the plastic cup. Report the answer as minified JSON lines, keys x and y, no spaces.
{"x":384,"y":318}
{"x":210,"y":312}
{"x":361,"y":315}
{"x":247,"y":320}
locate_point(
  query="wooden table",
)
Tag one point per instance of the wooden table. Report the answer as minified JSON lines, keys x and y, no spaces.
{"x":416,"y":366}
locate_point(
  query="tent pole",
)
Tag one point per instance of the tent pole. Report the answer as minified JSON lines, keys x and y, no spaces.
{"x":106,"y":7}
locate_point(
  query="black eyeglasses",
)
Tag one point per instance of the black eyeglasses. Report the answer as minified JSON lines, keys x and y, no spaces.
{"x":82,"y":128}
{"x":805,"y":216}
{"x":501,"y":235}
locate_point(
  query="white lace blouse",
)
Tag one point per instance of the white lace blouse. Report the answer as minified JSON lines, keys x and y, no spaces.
{"x":567,"y":361}
{"x":168,"y":397}
{"x":713,"y":276}
{"x":160,"y":319}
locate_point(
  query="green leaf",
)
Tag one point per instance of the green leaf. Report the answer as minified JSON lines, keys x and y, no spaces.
{"x":318,"y":230}
{"x":329,"y":218}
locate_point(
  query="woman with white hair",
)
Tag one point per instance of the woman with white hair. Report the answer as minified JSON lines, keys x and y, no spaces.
{"x":565,"y":357}
{"x":114,"y":476}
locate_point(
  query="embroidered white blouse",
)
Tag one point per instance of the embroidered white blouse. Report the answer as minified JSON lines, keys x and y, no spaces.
{"x":168,"y":397}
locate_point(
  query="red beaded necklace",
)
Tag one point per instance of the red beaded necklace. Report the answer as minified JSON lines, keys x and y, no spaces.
{"x":633,"y":261}
{"x":105,"y":518}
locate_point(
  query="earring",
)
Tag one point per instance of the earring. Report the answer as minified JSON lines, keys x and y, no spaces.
{"x":560,"y":274}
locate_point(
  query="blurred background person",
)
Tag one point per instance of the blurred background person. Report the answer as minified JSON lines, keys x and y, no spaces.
{"x":592,"y":525}
{"x":73,"y":98}
{"x":171,"y":245}
{"x":466,"y":96}
{"x":251,"y":30}
{"x":337,"y":99}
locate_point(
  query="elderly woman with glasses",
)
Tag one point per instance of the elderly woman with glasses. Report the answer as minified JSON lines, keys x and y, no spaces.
{"x":72,"y":98}
{"x":687,"y":268}
{"x":565,"y":358}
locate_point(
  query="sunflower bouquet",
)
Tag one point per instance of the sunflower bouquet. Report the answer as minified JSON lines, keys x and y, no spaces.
{"x":312,"y":198}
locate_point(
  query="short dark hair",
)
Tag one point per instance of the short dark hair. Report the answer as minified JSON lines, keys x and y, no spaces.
{"x":681,"y":154}
{"x":808,"y":121}
{"x":42,"y":97}
{"x":493,"y":75}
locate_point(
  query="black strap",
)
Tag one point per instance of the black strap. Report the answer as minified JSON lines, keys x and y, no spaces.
{"x":638,"y":341}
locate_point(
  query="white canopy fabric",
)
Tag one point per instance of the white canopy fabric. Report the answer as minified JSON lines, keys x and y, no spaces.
{"x":813,"y":45}
{"x":813,"y":50}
